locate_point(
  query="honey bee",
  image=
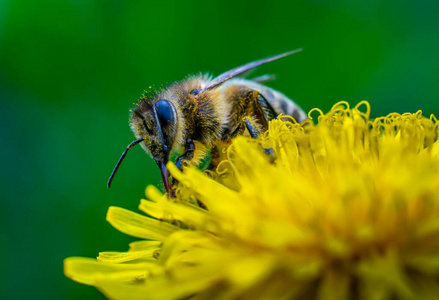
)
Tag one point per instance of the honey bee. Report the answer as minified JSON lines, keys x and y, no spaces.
{"x":199,"y":114}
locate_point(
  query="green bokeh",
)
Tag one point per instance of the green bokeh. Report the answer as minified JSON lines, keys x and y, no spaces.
{"x":70,"y":71}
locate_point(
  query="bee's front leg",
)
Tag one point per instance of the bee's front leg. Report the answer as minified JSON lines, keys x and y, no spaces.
{"x":188,"y":154}
{"x":215,"y":158}
{"x":186,"y":158}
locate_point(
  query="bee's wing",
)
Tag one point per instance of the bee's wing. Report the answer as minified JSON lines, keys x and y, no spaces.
{"x":264,"y":78}
{"x":239,"y":70}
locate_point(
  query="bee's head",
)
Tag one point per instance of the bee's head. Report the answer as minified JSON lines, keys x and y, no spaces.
{"x":154,"y":124}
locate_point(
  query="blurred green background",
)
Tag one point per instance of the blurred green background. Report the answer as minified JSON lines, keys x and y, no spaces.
{"x":70,"y":71}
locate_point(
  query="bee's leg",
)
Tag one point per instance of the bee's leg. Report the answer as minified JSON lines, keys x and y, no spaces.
{"x":261,"y":108}
{"x":187,"y":155}
{"x":252,"y":127}
{"x":215,"y":157}
{"x":193,"y":152}
{"x":254,"y":113}
{"x":254,"y":131}
{"x":252,"y":106}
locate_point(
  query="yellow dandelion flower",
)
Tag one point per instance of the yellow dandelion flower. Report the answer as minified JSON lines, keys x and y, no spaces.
{"x":347,"y":208}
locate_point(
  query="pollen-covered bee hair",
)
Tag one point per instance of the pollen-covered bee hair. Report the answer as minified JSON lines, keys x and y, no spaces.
{"x":199,"y":114}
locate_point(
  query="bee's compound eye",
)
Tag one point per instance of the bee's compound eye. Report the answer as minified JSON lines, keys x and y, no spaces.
{"x":195,"y":92}
{"x":165,"y":112}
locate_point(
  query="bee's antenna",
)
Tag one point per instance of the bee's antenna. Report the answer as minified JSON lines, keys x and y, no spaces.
{"x":120,"y":161}
{"x":242,"y":69}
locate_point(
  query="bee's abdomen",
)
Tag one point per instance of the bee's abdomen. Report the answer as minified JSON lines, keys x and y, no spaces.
{"x":282,"y":104}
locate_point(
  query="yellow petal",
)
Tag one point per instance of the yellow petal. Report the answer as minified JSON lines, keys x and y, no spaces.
{"x":247,"y":271}
{"x":387,"y":272}
{"x":119,"y":257}
{"x":139,"y":226}
{"x":162,"y":208}
{"x":335,"y":285}
{"x":425,"y":263}
{"x":144,"y":245}
{"x":85,"y":270}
